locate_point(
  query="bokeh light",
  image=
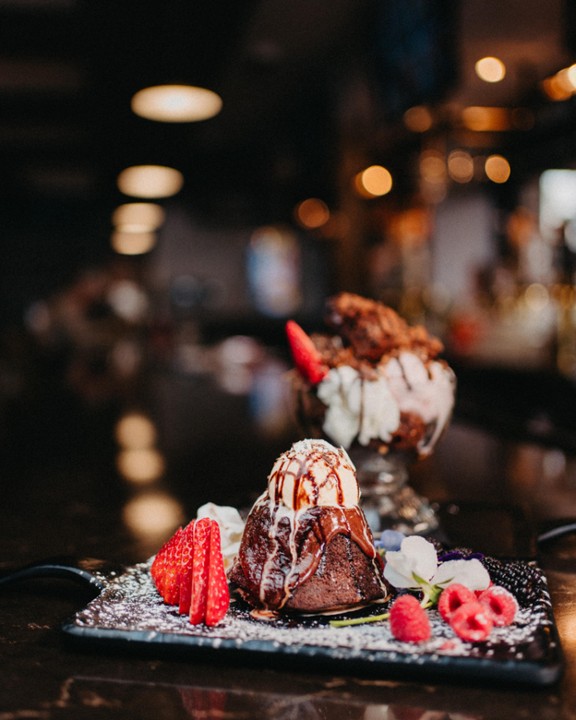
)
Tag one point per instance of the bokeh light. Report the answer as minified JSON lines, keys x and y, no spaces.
{"x":132,"y":243}
{"x":497,"y":169}
{"x":141,"y":466}
{"x":176,"y":103}
{"x":152,"y":516}
{"x":418,"y":119}
{"x":138,"y":217}
{"x":135,"y":430}
{"x":374,"y":181}
{"x":460,"y":166}
{"x":150,"y":181}
{"x":490,"y":69}
{"x":312,"y":213}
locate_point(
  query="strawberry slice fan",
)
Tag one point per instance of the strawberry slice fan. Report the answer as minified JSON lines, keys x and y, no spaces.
{"x":188,"y":571}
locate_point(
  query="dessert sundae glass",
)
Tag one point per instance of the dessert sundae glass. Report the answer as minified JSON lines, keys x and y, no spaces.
{"x":377,"y":387}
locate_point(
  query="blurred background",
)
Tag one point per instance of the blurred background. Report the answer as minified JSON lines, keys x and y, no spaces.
{"x":422,"y":152}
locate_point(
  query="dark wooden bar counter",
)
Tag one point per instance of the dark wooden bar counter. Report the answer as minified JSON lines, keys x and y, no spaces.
{"x":63,"y":495}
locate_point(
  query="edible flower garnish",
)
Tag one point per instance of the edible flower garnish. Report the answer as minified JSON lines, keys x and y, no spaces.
{"x":415,"y":567}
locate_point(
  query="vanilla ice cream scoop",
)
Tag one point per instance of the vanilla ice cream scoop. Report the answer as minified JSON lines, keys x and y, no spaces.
{"x":313,"y":473}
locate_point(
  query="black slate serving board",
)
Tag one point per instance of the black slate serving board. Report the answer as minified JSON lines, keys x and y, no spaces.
{"x":129,"y":614}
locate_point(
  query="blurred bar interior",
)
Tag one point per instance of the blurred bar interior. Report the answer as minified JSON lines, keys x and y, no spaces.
{"x":422,"y":153}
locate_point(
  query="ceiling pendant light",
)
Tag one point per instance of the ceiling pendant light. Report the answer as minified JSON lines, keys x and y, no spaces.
{"x":138,"y":217}
{"x":176,"y":103}
{"x":150,"y":181}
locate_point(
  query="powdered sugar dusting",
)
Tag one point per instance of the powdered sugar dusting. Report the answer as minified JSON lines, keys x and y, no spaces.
{"x":130,"y":606}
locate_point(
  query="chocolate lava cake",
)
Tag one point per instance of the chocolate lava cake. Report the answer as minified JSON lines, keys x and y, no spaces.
{"x":307,"y":546}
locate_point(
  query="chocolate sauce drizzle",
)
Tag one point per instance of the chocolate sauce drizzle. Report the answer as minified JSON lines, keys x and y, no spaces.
{"x":285,"y":547}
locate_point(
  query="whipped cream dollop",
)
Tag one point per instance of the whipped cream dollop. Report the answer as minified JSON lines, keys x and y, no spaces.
{"x":313,"y":473}
{"x":370,"y":408}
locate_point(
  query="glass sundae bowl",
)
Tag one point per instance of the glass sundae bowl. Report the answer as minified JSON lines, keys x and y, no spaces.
{"x":376,"y":387}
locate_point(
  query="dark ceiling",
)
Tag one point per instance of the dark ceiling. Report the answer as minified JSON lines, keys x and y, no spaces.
{"x":68,"y":69}
{"x":296,"y":76}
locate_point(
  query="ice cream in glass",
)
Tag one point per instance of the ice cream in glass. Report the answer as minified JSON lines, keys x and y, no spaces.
{"x":377,"y":387}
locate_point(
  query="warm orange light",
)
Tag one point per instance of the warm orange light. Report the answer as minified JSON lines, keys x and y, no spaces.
{"x":561,"y":85}
{"x":138,"y":217}
{"x":176,"y":103}
{"x":460,"y":166}
{"x":486,"y":119}
{"x":140,"y":465}
{"x":418,"y":119}
{"x":151,"y":515}
{"x":490,"y":69}
{"x":555,"y":89}
{"x":571,"y":76}
{"x":374,"y":181}
{"x":432,"y":166}
{"x":312,"y":213}
{"x":497,"y":168}
{"x":135,"y":430}
{"x":410,"y":228}
{"x":150,"y":181}
{"x":132,"y":243}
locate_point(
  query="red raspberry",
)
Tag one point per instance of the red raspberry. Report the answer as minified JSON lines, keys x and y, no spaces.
{"x":501,"y":604}
{"x":479,"y":592}
{"x":472,"y":621}
{"x":452,"y":598}
{"x":408,"y":620}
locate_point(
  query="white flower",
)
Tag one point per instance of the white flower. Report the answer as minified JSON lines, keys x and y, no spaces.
{"x":416,"y":559}
{"x":415,"y":566}
{"x":231,"y":528}
{"x":470,"y":573}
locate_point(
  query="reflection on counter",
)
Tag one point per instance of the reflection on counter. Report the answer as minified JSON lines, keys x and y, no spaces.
{"x":151,"y":516}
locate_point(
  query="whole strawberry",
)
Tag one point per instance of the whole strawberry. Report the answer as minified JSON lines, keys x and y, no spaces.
{"x":165,"y":568}
{"x":188,"y":571}
{"x":408,"y":620}
{"x":306,"y":356}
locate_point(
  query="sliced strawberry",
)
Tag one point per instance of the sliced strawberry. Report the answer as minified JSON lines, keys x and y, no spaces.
{"x":158,"y":569}
{"x":306,"y":356}
{"x":185,"y":569}
{"x":199,"y":583}
{"x":165,"y":565}
{"x":218,"y":599}
{"x":171,"y":588}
